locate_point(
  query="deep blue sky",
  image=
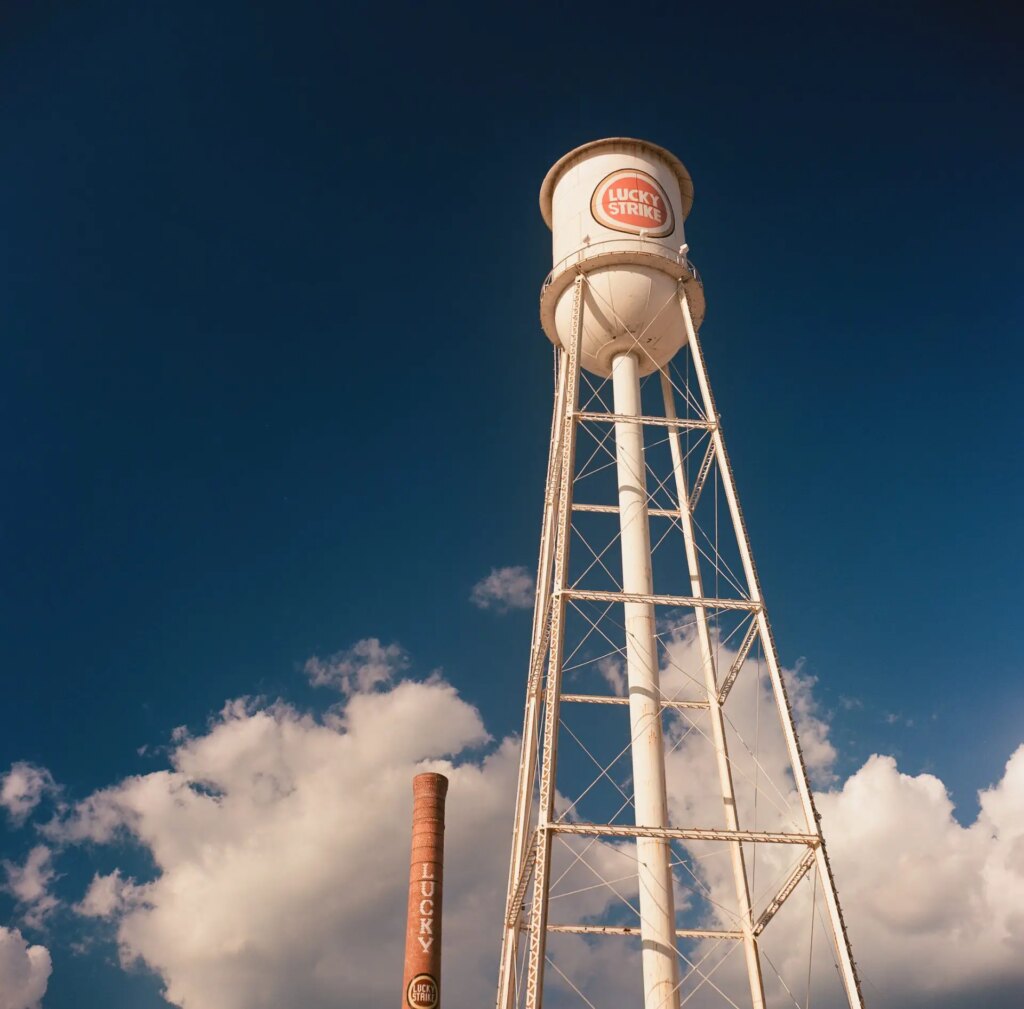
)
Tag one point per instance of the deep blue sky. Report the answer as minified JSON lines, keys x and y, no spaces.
{"x":271,"y":376}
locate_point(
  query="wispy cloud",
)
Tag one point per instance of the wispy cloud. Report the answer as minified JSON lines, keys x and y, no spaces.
{"x":30,"y":883}
{"x":22,"y":788}
{"x":614,"y":674}
{"x":364,"y":666}
{"x":107,"y":896}
{"x":504,"y":589}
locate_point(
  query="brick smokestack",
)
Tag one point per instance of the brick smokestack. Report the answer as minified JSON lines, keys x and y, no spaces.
{"x":421,"y":987}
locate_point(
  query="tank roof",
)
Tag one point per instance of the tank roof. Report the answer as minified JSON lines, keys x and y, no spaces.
{"x":685,"y":182}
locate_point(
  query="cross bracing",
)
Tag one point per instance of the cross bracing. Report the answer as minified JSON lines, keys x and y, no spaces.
{"x":748,"y":874}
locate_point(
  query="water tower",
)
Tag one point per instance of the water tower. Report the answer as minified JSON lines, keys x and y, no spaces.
{"x":666,"y":846}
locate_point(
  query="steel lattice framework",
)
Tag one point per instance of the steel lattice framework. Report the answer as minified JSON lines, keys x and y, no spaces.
{"x":585,"y":866}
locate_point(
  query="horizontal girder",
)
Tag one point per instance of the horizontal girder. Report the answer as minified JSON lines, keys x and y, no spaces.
{"x":593,"y":595}
{"x":665,"y":513}
{"x":676,"y":422}
{"x":681,"y":933}
{"x":607,"y":699}
{"x":683,"y":833}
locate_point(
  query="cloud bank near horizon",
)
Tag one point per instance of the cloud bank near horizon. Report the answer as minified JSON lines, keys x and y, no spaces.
{"x":280,"y":841}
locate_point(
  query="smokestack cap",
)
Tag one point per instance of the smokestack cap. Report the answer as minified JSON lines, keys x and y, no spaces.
{"x":430,"y":783}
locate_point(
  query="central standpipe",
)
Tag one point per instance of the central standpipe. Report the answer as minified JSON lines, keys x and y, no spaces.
{"x":657,"y":905}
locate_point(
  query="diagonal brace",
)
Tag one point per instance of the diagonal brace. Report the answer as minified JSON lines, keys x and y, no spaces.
{"x":787,"y":888}
{"x":741,"y":656}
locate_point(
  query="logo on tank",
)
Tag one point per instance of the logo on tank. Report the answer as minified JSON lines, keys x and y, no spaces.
{"x":632,"y":201}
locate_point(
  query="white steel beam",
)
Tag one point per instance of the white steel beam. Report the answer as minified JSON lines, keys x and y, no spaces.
{"x":685,"y":833}
{"x":536,"y":956}
{"x":523,"y":845}
{"x":678,"y":423}
{"x":787,"y":888}
{"x":608,"y":699}
{"x":594,"y":595}
{"x":702,"y":475}
{"x":665,"y":513}
{"x":514,"y":911}
{"x":681,"y":933}
{"x":737,"y":664}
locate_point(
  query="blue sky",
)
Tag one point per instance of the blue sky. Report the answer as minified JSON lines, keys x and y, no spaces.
{"x":273,"y":381}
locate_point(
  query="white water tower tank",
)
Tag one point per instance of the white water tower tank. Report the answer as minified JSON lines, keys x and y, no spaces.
{"x":616,"y":209}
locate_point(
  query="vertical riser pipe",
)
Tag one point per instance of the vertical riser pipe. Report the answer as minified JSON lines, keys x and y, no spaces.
{"x":657,"y":904}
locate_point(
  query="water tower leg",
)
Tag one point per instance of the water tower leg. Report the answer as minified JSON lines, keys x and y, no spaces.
{"x":657,"y":905}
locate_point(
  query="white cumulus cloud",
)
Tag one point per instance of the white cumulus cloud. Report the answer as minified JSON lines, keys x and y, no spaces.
{"x":936,"y":908}
{"x":24,"y":971}
{"x":282,"y":844}
{"x":504,"y":589}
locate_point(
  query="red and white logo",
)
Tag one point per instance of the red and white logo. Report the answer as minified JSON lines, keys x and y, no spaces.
{"x":422,"y":992}
{"x":632,"y":201}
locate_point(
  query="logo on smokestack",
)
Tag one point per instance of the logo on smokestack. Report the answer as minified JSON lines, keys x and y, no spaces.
{"x":422,"y":992}
{"x":632,"y":201}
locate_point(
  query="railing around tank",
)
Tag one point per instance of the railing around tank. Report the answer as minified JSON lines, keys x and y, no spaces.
{"x":654,"y":248}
